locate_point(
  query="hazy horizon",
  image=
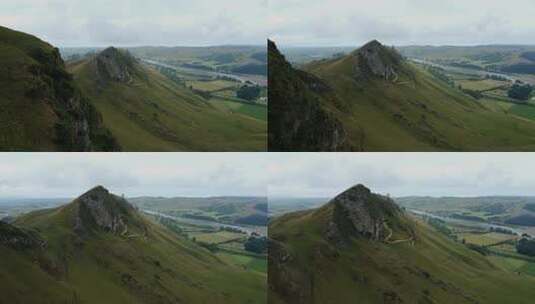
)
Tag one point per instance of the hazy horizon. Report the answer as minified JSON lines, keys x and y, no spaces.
{"x":283,"y":46}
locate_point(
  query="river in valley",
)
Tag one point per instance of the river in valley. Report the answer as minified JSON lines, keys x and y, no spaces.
{"x":465,"y":222}
{"x":197,"y":222}
{"x":256,"y":79}
{"x":461,"y":70}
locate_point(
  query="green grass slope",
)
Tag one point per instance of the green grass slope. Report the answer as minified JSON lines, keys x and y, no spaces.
{"x":306,"y":267}
{"x":84,"y":262}
{"x":42,"y":108}
{"x":146,"y":111}
{"x":389,"y":104}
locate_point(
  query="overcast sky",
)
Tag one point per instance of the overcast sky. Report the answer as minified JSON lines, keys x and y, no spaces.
{"x":401,"y":22}
{"x":47,"y":175}
{"x":138,"y":22}
{"x":402,"y":174}
{"x":51,"y":175}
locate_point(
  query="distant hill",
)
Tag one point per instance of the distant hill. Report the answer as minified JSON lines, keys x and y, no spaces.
{"x":361,"y":246}
{"x":386,"y":103}
{"x":500,"y":58}
{"x":100,"y":249}
{"x":230,"y":210}
{"x":235,"y":59}
{"x":42,"y":107}
{"x":515,"y":210}
{"x":147,"y":111}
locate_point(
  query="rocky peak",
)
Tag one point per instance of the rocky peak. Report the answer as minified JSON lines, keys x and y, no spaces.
{"x":378,"y":60}
{"x":99,"y":209}
{"x":359,"y":212}
{"x":115,"y":65}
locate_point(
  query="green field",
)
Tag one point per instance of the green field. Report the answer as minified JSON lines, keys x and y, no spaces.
{"x":526,"y":111}
{"x":213,"y":85}
{"x":252,"y":110}
{"x":246,"y":262}
{"x":485,"y":239}
{"x":482,"y":85}
{"x":217,"y":237}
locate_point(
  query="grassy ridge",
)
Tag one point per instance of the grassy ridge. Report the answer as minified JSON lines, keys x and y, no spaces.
{"x":155,"y":114}
{"x":416,"y":112}
{"x":433,"y":269}
{"x":108,"y":268}
{"x":42,"y":108}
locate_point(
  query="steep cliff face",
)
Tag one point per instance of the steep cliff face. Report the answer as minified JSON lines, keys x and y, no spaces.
{"x":99,"y":210}
{"x":42,"y":108}
{"x":298,"y":120}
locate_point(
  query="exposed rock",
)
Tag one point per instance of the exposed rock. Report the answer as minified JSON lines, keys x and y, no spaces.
{"x":79,"y":122}
{"x":297,"y":119}
{"x":378,"y":60}
{"x":115,"y":65}
{"x":391,"y":297}
{"x":359,"y":212}
{"x":19,"y":239}
{"x":292,"y":285}
{"x":99,"y":209}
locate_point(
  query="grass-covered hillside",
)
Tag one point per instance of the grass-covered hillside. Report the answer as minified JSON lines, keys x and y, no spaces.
{"x":100,"y":249}
{"x":147,"y":111}
{"x":390,"y":104}
{"x":361,"y":247}
{"x":42,"y":107}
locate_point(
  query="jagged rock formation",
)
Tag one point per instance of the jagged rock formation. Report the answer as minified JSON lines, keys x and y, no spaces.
{"x":297,"y":120}
{"x":42,"y":107}
{"x":19,"y":239}
{"x":290,"y":284}
{"x":99,"y":209}
{"x":377,"y":60}
{"x":115,"y":65}
{"x":359,"y":212}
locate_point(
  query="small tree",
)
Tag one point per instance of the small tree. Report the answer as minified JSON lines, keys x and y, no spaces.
{"x":520,"y":91}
